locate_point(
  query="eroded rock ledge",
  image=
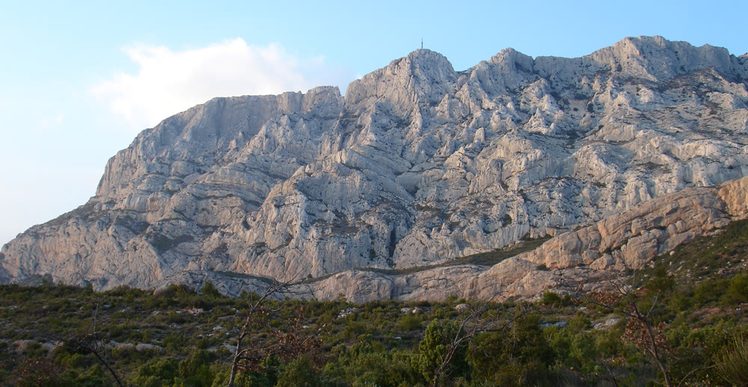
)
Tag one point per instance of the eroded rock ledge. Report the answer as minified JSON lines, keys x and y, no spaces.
{"x":629,"y":240}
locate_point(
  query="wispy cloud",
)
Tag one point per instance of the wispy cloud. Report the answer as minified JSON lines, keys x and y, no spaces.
{"x":168,"y":82}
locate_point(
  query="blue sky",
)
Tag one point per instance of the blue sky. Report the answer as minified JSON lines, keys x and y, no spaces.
{"x":78,"y":80}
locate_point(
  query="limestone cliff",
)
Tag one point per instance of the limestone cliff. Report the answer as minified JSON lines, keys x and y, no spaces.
{"x":625,"y":241}
{"x":417,"y":165}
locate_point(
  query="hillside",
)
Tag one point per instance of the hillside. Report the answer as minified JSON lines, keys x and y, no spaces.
{"x":416,"y":166}
{"x":696,"y":296}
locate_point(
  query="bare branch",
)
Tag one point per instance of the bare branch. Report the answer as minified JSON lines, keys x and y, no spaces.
{"x":639,"y":330}
{"x":471,"y":326}
{"x":285,"y":344}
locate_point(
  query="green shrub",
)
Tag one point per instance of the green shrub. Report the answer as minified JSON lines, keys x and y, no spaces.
{"x":433,"y":349}
{"x":709,"y":291}
{"x":516,"y":357}
{"x":210,"y":290}
{"x":737,"y":290}
{"x":579,"y":323}
{"x":299,"y":373}
{"x":157,"y":372}
{"x":196,"y":370}
{"x":354,"y":329}
{"x":551,"y":298}
{"x":661,"y":282}
{"x":733,"y":364}
{"x":410,"y":322}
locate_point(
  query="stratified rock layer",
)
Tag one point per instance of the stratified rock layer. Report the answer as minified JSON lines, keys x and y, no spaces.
{"x":629,"y":240}
{"x":418,"y":164}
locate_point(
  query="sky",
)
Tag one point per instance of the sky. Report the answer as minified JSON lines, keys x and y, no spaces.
{"x":79,"y":80}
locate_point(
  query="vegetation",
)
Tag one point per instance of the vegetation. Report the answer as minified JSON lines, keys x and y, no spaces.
{"x":680,"y":322}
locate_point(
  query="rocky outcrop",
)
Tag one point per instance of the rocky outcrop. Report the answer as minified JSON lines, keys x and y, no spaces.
{"x":629,"y":240}
{"x":417,"y":165}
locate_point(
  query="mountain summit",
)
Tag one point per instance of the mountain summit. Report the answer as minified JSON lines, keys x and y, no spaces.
{"x":417,"y":165}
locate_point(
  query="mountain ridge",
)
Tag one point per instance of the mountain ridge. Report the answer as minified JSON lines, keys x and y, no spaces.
{"x":416,"y":164}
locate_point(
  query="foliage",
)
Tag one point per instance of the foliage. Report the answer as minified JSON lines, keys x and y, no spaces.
{"x":519,"y":358}
{"x":733,"y":363}
{"x":299,"y":373}
{"x":51,"y":334}
{"x":551,"y":298}
{"x":435,"y":346}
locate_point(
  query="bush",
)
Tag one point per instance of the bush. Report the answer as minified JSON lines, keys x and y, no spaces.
{"x":299,"y":373}
{"x":737,"y":290}
{"x":733,"y":364}
{"x":210,"y":290}
{"x":196,"y":371}
{"x":579,"y":323}
{"x":157,"y":372}
{"x":518,"y":357}
{"x":433,"y":348}
{"x":709,"y":291}
{"x":551,"y":298}
{"x":37,"y":372}
{"x":661,"y":282}
{"x":410,"y":322}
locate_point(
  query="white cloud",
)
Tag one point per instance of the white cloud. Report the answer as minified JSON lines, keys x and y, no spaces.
{"x":168,"y":82}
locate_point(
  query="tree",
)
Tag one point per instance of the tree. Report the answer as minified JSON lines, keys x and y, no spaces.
{"x":442,"y":350}
{"x":209,"y":289}
{"x":369,"y":363}
{"x":251,"y":349}
{"x":299,"y":373}
{"x":37,"y":372}
{"x":157,"y":372}
{"x":640,"y":329}
{"x":94,"y":344}
{"x":195,"y":370}
{"x":516,"y":356}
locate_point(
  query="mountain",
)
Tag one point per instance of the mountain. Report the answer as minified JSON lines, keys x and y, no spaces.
{"x":416,"y":166}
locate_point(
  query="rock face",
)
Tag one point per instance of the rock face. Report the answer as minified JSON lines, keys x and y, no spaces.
{"x":418,"y":164}
{"x":625,"y":241}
